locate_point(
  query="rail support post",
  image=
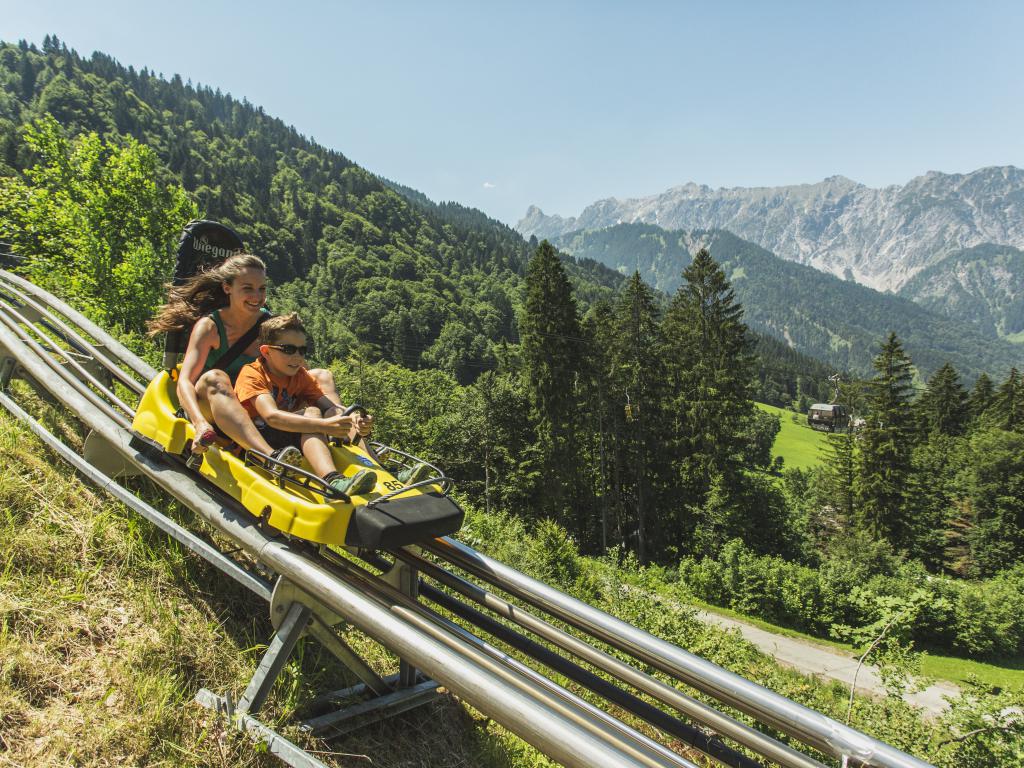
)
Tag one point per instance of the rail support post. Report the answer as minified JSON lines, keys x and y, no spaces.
{"x":8,"y":365}
{"x":241,"y":715}
{"x":388,"y":696}
{"x":273,"y":661}
{"x":406,"y":579}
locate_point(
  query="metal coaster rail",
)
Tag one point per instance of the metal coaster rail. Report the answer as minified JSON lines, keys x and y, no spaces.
{"x":77,"y":364}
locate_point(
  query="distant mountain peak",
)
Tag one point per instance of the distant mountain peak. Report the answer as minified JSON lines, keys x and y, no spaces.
{"x":881,"y":236}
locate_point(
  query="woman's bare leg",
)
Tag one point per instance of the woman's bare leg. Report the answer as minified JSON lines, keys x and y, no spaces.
{"x":326,"y":381}
{"x":315,"y":448}
{"x":217,"y":400}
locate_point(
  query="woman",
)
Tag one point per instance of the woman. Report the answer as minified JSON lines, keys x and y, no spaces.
{"x":224,"y":303}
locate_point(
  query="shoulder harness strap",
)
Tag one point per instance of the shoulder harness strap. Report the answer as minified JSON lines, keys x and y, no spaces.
{"x":239,"y":346}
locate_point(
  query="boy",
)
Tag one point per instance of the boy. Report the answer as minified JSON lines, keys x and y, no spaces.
{"x":290,"y":409}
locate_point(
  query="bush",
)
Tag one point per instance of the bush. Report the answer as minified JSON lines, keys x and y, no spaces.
{"x":974,"y":618}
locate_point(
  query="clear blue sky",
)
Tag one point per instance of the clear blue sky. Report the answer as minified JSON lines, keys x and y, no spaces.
{"x":500,"y":106}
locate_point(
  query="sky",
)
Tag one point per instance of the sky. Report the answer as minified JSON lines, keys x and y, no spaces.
{"x":500,"y":106}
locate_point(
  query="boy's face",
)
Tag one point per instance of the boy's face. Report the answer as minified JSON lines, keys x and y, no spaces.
{"x":278,"y":361}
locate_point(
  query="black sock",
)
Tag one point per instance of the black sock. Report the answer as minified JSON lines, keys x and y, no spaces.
{"x":332,"y":476}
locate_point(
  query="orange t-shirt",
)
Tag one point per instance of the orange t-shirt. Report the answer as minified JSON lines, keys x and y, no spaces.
{"x":290,"y":392}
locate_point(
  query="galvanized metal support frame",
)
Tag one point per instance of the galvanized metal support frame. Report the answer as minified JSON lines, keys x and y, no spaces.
{"x":406,"y":579}
{"x":286,"y":751}
{"x":293,"y":614}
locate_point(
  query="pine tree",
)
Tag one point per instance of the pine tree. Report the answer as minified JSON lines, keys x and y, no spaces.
{"x":840,"y":473}
{"x":598,"y":329}
{"x":886,"y":443}
{"x":981,"y":396}
{"x":1008,"y":403}
{"x":551,"y":338}
{"x":711,"y":371}
{"x":637,"y":379}
{"x":943,"y":406}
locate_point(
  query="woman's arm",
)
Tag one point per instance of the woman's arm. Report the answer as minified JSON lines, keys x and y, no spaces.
{"x":200,"y":342}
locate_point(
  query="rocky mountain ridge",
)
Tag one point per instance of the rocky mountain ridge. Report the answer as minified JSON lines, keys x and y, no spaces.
{"x":833,"y":320}
{"x":878,"y":237}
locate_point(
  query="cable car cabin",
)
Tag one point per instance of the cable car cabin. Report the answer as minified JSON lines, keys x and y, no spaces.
{"x":287,"y":497}
{"x":828,"y":417}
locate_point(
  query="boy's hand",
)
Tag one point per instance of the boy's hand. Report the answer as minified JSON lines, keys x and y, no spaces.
{"x":364,"y":424}
{"x":337,"y":425}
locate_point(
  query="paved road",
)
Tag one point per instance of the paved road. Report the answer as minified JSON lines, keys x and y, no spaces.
{"x":826,"y":662}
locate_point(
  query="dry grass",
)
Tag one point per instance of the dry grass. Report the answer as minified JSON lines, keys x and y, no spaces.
{"x":107,"y":630}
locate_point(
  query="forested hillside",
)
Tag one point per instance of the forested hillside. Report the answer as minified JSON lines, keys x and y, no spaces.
{"x":421,"y":284}
{"x":376,"y":267}
{"x":817,"y":314}
{"x":983,"y":285}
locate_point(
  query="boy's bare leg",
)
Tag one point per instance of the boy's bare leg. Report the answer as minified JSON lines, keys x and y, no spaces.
{"x":220,"y":406}
{"x":315,"y":448}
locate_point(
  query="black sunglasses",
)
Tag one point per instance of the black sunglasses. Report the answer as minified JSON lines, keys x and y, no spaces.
{"x":290,"y":349}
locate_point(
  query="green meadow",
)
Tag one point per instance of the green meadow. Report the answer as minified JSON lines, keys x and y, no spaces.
{"x":797,"y":444}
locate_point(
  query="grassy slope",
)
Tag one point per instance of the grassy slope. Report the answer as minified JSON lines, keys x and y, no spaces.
{"x":800,"y":446}
{"x":107,"y":630}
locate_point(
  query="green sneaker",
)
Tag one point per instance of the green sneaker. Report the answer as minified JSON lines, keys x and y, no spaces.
{"x":362,"y":482}
{"x":415,"y":474}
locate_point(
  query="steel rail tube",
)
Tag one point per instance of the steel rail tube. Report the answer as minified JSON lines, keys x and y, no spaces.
{"x":721,"y":723}
{"x":811,"y":727}
{"x":47,"y":343}
{"x":144,"y":370}
{"x":663,"y":721}
{"x":72,"y":336}
{"x":486,"y":683}
{"x":60,"y":371}
{"x":511,"y":702}
{"x":588,"y":715}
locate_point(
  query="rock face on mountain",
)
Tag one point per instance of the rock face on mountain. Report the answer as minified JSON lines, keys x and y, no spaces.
{"x":879,"y":237}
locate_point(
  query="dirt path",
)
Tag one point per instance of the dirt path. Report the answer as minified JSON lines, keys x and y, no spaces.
{"x":822,"y":661}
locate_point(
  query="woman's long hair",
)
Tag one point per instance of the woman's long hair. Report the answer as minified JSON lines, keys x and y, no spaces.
{"x":201,"y":294}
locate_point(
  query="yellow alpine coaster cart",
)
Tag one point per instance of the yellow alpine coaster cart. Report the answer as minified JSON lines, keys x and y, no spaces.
{"x":286,"y":497}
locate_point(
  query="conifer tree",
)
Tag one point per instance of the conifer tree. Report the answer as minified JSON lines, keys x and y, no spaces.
{"x":995,"y":486}
{"x":981,"y":396}
{"x":708,"y":350}
{"x":943,"y":406}
{"x":638,"y":376}
{"x":605,"y":421}
{"x":711,"y":370}
{"x":1008,"y":403}
{"x":886,"y":443}
{"x":840,"y":473}
{"x":551,"y":338}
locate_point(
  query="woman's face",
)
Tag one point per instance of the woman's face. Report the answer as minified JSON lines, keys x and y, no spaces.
{"x":248,"y":292}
